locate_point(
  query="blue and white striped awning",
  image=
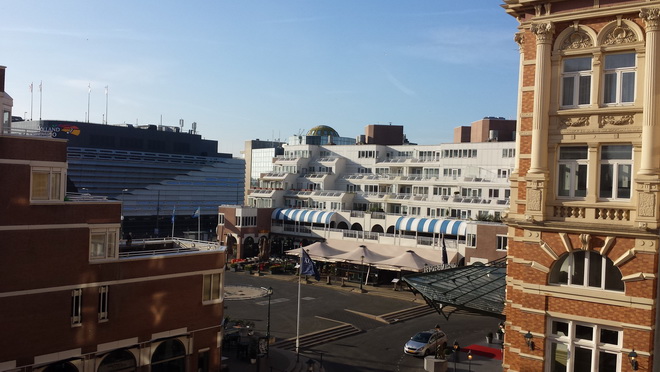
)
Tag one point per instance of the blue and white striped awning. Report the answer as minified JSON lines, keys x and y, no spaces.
{"x":431,"y":225}
{"x":302,"y":215}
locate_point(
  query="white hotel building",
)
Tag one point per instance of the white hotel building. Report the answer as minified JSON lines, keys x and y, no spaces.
{"x":398,"y":195}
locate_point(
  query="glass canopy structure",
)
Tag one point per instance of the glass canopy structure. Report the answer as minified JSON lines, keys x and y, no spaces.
{"x":477,"y":288}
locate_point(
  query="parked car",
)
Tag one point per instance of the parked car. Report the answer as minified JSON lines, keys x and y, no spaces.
{"x":425,"y":342}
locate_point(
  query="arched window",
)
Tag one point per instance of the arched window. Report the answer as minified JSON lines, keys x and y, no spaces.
{"x":118,"y":361}
{"x":586,"y":269}
{"x":61,"y":367}
{"x":170,"y":356}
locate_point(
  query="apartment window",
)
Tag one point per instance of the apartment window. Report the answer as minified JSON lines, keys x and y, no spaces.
{"x":619,"y":79}
{"x":493,"y":193}
{"x":211,"y":291}
{"x":502,"y":173}
{"x":47,"y":183}
{"x":586,"y":269}
{"x":76,"y":307}
{"x":508,"y":153}
{"x":575,"y":347}
{"x":615,"y":171}
{"x":104,"y":243}
{"x":572,"y":173}
{"x":103,"y":303}
{"x":221,"y":218}
{"x":576,"y":82}
{"x":471,"y":240}
{"x":501,"y":242}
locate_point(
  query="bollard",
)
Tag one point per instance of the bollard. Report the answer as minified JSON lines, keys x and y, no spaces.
{"x":328,"y":282}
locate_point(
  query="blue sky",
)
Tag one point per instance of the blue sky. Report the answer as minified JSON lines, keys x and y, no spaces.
{"x":247,"y":69}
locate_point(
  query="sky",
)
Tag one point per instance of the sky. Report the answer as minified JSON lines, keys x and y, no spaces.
{"x":263,"y":69}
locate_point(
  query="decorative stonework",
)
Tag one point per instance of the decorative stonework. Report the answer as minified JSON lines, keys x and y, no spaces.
{"x":652,"y":18}
{"x":585,"y":239}
{"x":534,"y":200}
{"x":519,"y":38}
{"x":543,"y":32}
{"x":575,"y":122}
{"x":621,"y":34}
{"x":577,"y":40}
{"x":613,"y":120}
{"x":646,"y":207}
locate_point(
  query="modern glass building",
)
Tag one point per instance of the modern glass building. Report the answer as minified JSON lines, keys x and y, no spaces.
{"x":162,"y":175}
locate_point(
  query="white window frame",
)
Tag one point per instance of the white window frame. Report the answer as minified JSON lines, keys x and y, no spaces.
{"x":54,"y":188}
{"x":571,"y":341}
{"x":502,"y":243}
{"x":573,"y":166}
{"x":103,"y":243}
{"x":619,"y":73}
{"x":616,"y":164}
{"x":221,"y":218}
{"x":212,"y":285}
{"x":76,"y":307}
{"x":586,"y":267}
{"x":575,"y":85}
{"x":103,"y":303}
{"x":471,"y":240}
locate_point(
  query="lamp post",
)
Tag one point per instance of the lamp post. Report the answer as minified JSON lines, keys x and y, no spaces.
{"x":361,"y":272}
{"x":469,"y":356}
{"x":457,"y":348}
{"x":122,"y":212}
{"x":364,"y":247}
{"x":269,"y":291}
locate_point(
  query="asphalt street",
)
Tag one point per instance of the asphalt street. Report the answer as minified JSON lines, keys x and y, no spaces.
{"x":378,"y":348}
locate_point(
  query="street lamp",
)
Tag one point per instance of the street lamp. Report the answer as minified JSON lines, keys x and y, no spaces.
{"x":122,"y":212}
{"x":269,"y":291}
{"x":632,"y":356}
{"x":528,"y":340}
{"x":457,"y":348}
{"x":361,"y":272}
{"x":364,"y":247}
{"x":469,"y":356}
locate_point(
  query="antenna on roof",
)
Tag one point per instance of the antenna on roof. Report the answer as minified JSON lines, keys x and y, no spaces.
{"x":181,"y":123}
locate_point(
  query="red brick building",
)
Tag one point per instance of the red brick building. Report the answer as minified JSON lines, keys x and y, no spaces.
{"x":73,"y":298}
{"x":582,"y":271}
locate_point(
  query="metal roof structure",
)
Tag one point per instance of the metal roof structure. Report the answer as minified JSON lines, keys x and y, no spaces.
{"x":479,"y":288}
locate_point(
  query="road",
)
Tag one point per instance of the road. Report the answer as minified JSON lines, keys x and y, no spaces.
{"x":378,"y":348}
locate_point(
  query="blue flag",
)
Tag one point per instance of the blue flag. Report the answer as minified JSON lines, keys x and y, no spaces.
{"x":307,"y":266}
{"x":196,"y":214}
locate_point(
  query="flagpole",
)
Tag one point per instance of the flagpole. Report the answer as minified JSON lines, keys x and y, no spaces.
{"x":31,"y":95}
{"x":298,"y":318}
{"x":173,"y":214}
{"x":199,"y":223}
{"x":40,"y":98}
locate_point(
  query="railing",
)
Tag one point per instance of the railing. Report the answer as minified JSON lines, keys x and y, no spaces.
{"x":26,"y":132}
{"x":77,"y":197}
{"x":597,"y":213}
{"x":140,"y":248}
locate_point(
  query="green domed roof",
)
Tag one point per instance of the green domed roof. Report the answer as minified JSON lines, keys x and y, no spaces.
{"x":322,"y":130}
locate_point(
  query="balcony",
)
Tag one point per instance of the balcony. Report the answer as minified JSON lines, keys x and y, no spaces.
{"x":600,"y":214}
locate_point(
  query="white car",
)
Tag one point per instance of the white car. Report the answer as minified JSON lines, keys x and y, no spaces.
{"x":425,"y":343}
